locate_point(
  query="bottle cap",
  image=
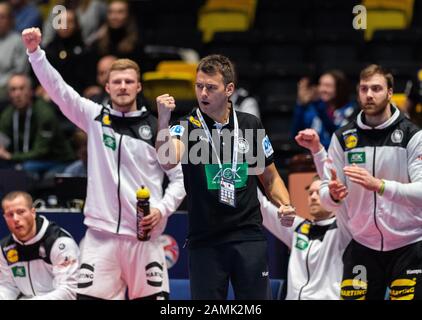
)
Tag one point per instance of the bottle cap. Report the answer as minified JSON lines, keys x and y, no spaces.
{"x":142,"y":193}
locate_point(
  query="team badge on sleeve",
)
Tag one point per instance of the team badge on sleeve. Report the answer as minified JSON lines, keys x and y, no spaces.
{"x":195,"y":121}
{"x":177,"y":130}
{"x":267,"y":147}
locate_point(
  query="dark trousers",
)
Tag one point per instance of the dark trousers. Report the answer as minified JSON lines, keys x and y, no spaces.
{"x":368,"y":273}
{"x":244,"y":263}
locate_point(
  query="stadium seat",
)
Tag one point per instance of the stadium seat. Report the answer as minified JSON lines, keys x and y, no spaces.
{"x":177,"y":66}
{"x":406,"y":6}
{"x":384,"y":19}
{"x":248,"y":6}
{"x":211,"y":21}
{"x":178,"y":84}
{"x":399,"y":100}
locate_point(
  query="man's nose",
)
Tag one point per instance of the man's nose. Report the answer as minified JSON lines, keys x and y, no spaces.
{"x":370,"y":93}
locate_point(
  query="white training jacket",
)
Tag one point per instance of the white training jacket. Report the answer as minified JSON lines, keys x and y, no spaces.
{"x":121,"y":159}
{"x":315,"y":264}
{"x":391,"y":151}
{"x":43,"y":268}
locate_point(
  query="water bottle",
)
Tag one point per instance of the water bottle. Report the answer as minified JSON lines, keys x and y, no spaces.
{"x":142,"y":210}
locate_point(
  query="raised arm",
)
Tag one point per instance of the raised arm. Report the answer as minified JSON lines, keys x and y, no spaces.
{"x":169,"y":149}
{"x":73,"y":106}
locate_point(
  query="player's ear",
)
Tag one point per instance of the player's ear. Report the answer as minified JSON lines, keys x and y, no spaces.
{"x":229,"y":89}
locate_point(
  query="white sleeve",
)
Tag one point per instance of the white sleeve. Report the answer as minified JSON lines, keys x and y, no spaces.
{"x":77,"y":109}
{"x":64,"y":257}
{"x":250,"y":105}
{"x":345,"y":236}
{"x":173,"y":197}
{"x":8,"y":288}
{"x":174,"y":193}
{"x":335,"y":154}
{"x":272,"y":222}
{"x":408,"y":194}
{"x":320,"y":159}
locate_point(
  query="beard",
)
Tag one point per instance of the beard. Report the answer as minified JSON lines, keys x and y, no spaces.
{"x":375,"y":109}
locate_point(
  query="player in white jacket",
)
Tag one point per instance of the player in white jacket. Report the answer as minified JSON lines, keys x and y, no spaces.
{"x":317,"y":245}
{"x":121,"y":158}
{"x":38,"y":260}
{"x":378,"y":186}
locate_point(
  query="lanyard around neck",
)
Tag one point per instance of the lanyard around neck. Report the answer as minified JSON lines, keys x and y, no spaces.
{"x":235,"y":143}
{"x":26,"y":132}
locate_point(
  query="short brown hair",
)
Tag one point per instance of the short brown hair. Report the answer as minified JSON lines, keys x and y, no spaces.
{"x":314,"y":178}
{"x":123,"y":64}
{"x":15,"y":194}
{"x":217,"y":63}
{"x":373,"y":69}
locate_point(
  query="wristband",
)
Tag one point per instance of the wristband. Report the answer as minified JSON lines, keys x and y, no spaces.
{"x":382,"y":188}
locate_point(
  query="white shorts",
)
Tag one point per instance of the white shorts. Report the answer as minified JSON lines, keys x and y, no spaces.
{"x":111,"y":263}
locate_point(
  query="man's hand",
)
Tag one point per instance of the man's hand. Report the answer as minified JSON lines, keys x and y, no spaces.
{"x":363,"y":177}
{"x":338,"y":190}
{"x":31,"y":38}
{"x":309,"y":139}
{"x":165,"y":105}
{"x":305,"y":91}
{"x":151,"y":220}
{"x":4,"y":154}
{"x":286,"y":214}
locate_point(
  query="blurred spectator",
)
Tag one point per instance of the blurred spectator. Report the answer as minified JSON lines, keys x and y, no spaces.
{"x":13,"y":56}
{"x":78,"y":168}
{"x":243,"y":102}
{"x":97,"y":93}
{"x":413,"y":105}
{"x":91,"y":15}
{"x":26,"y":14}
{"x":69,"y":55}
{"x":37,"y":142}
{"x":119,"y":36}
{"x":325,"y":107}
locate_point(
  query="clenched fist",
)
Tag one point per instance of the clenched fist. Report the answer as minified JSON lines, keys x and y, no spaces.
{"x":165,"y":105}
{"x":309,"y":139}
{"x":31,"y":38}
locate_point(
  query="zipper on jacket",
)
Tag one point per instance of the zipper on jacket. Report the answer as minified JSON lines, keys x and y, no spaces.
{"x":307,"y":270}
{"x":30,"y":280}
{"x":119,"y":154}
{"x":375,"y":202}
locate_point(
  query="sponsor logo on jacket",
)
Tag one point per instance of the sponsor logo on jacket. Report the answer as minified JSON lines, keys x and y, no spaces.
{"x":12,"y":256}
{"x":356,"y":157}
{"x":19,"y":271}
{"x":350,"y":138}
